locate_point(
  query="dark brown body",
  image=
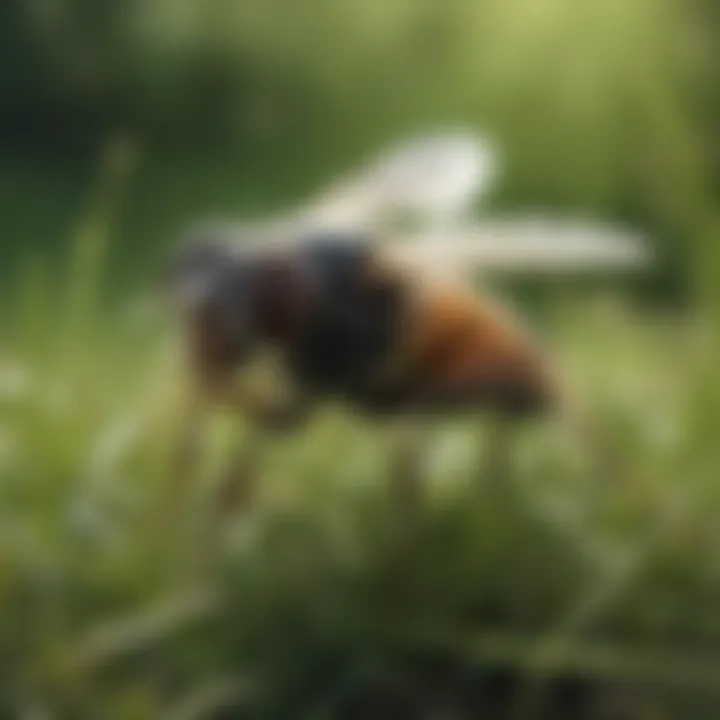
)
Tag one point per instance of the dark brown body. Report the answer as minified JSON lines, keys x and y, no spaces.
{"x":350,"y":323}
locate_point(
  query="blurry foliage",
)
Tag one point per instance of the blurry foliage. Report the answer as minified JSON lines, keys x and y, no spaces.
{"x":123,"y":118}
{"x":110,"y":609}
{"x":602,"y":78}
{"x":608,"y":107}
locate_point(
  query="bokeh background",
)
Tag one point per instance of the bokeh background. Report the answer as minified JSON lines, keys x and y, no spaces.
{"x":576,"y":591}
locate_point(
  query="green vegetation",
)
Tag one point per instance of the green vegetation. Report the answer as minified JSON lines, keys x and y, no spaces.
{"x":125,"y":120}
{"x":565,"y":570}
{"x":604,"y":108}
{"x":104,"y":614}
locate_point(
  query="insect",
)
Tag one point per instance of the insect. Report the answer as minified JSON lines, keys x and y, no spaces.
{"x":353,"y":314}
{"x":351,"y":321}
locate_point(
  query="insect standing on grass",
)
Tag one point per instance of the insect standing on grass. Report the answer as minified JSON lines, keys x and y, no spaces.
{"x":357,"y":315}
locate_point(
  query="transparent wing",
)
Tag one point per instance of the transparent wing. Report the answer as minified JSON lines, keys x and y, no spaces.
{"x":529,"y":246}
{"x":440,"y":178}
{"x":511,"y":246}
{"x":435,"y":179}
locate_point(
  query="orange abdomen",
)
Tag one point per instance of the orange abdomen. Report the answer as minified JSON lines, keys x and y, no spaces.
{"x":476,"y":351}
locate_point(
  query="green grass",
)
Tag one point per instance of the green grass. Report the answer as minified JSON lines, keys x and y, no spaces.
{"x":569,"y":573}
{"x":110,"y":609}
{"x":104,"y":613}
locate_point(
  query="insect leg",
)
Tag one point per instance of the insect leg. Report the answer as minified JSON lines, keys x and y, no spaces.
{"x":406,"y":486}
{"x":185,"y":458}
{"x":498,"y":451}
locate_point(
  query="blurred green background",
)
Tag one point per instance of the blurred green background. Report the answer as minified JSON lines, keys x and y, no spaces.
{"x":124,"y":119}
{"x":611,"y":108}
